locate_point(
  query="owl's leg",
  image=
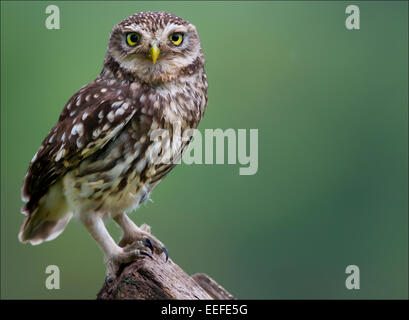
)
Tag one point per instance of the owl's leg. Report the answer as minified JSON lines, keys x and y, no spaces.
{"x":134,"y":233}
{"x":114,"y":254}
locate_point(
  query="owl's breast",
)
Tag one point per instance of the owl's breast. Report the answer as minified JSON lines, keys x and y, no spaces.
{"x":121,"y":176}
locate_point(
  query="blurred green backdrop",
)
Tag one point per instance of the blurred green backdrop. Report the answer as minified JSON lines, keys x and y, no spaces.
{"x":331,"y":107}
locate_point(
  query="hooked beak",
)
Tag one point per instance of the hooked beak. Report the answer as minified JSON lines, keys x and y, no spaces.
{"x":154,"y":53}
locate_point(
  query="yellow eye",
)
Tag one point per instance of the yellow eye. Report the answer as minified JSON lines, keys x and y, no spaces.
{"x":176,"y":38}
{"x":133,"y":38}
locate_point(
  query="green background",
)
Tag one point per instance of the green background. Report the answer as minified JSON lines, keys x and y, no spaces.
{"x":331,"y":107}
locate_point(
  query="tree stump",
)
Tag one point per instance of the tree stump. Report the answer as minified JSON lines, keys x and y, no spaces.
{"x":147,"y":279}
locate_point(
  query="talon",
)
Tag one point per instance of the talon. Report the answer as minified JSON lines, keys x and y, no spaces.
{"x":148,"y":243}
{"x":145,"y":253}
{"x":166,"y":253}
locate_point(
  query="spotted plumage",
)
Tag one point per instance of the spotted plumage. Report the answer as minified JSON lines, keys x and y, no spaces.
{"x":96,"y":161}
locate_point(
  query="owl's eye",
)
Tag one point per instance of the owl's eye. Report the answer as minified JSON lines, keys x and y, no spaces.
{"x":176,"y":38}
{"x":133,"y":38}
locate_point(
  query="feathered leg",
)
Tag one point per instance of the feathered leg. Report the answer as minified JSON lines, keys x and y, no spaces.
{"x":114,"y":254}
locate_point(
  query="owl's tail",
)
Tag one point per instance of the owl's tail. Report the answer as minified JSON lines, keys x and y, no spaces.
{"x":48,"y":220}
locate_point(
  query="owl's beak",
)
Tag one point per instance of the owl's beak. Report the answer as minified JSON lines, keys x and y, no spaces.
{"x":154,"y":53}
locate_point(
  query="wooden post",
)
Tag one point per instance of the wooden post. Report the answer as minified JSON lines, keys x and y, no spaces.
{"x":147,"y":279}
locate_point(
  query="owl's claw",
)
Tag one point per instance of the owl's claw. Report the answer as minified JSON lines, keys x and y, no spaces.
{"x":156,"y":247}
{"x":166,"y":253}
{"x":145,"y":253}
{"x":148,"y":243}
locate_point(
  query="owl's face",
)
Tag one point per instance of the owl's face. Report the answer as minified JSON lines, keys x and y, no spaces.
{"x":154,"y":46}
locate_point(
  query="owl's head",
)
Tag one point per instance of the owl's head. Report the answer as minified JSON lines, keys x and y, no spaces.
{"x":155,"y":46}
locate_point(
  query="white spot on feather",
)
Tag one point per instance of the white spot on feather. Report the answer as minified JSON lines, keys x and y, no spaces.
{"x":60,"y":154}
{"x":117,"y":104}
{"x":35,"y":157}
{"x":96,"y":133}
{"x":78,"y":101}
{"x":78,"y":129}
{"x":79,"y":143}
{"x":110,"y":116}
{"x":51,"y":138}
{"x":120,"y":111}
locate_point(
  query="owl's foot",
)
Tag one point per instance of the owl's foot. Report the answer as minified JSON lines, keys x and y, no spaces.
{"x":138,"y":250}
{"x":150,"y":242}
{"x":144,"y":236}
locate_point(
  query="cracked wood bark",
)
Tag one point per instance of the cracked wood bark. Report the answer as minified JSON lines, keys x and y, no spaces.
{"x":147,"y":279}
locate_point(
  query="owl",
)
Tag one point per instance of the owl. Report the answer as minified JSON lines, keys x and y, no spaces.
{"x":96,"y":163}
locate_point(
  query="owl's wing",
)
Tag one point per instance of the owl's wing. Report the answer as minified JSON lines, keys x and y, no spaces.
{"x":90,"y":119}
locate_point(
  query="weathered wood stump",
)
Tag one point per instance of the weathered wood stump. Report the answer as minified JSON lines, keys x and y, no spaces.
{"x":147,"y":279}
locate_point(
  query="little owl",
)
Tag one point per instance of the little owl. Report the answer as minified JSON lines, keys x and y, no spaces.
{"x":96,"y":162}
